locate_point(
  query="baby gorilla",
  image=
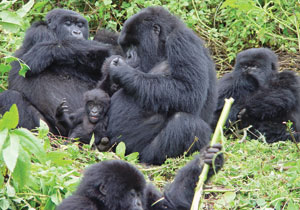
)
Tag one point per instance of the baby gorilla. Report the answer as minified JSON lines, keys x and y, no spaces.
{"x":118,"y":185}
{"x":88,"y":120}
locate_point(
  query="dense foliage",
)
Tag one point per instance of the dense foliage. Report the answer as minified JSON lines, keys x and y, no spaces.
{"x":37,"y":170}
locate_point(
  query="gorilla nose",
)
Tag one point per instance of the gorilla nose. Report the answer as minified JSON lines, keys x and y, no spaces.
{"x":115,"y":61}
{"x":77,"y":33}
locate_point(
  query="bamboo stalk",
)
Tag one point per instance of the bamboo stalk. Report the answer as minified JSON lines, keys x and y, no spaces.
{"x":216,"y":137}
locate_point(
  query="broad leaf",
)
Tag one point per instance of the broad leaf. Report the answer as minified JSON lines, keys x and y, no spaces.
{"x":22,"y":169}
{"x":11,"y":152}
{"x":121,"y":149}
{"x":31,"y":144}
{"x":25,"y":9}
{"x":10,"y":119}
{"x":10,"y":17}
{"x":3,"y":138}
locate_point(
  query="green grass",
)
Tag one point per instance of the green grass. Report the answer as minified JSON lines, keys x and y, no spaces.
{"x":258,"y":175}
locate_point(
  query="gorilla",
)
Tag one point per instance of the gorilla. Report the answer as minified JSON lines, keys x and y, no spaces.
{"x":63,"y":64}
{"x":118,"y":185}
{"x":85,"y":121}
{"x":264,"y":97}
{"x":168,"y":90}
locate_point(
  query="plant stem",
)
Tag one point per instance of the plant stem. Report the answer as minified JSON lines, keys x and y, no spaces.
{"x":217,"y":135}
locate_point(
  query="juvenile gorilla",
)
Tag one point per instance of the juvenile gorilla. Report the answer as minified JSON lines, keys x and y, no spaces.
{"x":264,"y":97}
{"x":118,"y":185}
{"x":88,"y":120}
{"x":63,"y":64}
{"x":168,"y":92}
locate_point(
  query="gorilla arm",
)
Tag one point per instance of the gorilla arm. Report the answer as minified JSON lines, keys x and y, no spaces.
{"x":74,"y":52}
{"x":184,"y":89}
{"x":277,"y":99}
{"x":179,"y":194}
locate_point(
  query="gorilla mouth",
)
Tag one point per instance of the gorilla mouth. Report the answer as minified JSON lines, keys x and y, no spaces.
{"x":94,"y":117}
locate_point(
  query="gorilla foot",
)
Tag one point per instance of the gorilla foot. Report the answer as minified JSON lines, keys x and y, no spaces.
{"x":103,"y":145}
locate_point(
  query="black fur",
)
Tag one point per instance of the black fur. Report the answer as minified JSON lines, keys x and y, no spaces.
{"x":84,"y":122}
{"x":264,"y":97}
{"x":118,"y":185}
{"x":63,"y":64}
{"x":168,"y":92}
{"x":109,"y":37}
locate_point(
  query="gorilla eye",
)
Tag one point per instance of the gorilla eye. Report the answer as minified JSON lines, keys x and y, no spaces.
{"x":68,"y":23}
{"x":90,"y":104}
{"x":80,"y":25}
{"x":132,"y":193}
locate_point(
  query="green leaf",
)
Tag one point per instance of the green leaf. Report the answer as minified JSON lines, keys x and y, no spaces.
{"x":4,"y":68}
{"x":92,"y":140}
{"x":22,"y":169}
{"x":121,"y":149}
{"x":31,"y":144}
{"x":107,"y":2}
{"x":3,"y":138}
{"x":1,"y":180}
{"x":54,"y":198}
{"x":11,"y":152}
{"x":59,"y":158}
{"x":10,"y":191}
{"x":43,"y":129}
{"x":10,"y":17}
{"x":292,"y":205}
{"x":25,"y":9}
{"x":24,"y":69}
{"x":132,"y":156}
{"x":226,"y":198}
{"x":10,"y":119}
{"x":4,"y":204}
{"x":261,"y":202}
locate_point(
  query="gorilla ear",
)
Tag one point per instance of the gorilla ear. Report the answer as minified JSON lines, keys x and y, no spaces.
{"x":102,"y":189}
{"x":156,"y":29}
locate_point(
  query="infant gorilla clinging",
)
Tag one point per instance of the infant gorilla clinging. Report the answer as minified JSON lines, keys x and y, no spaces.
{"x":87,"y":120}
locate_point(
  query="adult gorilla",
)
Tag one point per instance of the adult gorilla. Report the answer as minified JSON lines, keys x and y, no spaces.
{"x":168,"y":88}
{"x":63,"y":64}
{"x":264,"y":97}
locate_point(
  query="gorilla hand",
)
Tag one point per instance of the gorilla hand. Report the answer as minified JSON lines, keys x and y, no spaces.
{"x":119,"y":69}
{"x":211,"y":152}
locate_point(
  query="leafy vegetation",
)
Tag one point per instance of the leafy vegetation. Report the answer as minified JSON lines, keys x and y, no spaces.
{"x":37,"y":170}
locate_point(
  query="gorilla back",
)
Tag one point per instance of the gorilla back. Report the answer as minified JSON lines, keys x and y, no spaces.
{"x":168,"y":88}
{"x":63,"y":64}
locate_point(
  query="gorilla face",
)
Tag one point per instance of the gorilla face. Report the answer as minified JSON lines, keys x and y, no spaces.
{"x":68,"y":24}
{"x":143,"y":38}
{"x":96,"y":104}
{"x":256,"y":65}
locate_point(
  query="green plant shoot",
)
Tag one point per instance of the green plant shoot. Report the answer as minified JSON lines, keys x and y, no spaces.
{"x":216,"y":137}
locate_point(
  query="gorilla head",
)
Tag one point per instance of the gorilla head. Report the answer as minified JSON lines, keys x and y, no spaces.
{"x":144,"y":35}
{"x":256,"y":64}
{"x":96,"y":104}
{"x":71,"y":24}
{"x":114,"y":184}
